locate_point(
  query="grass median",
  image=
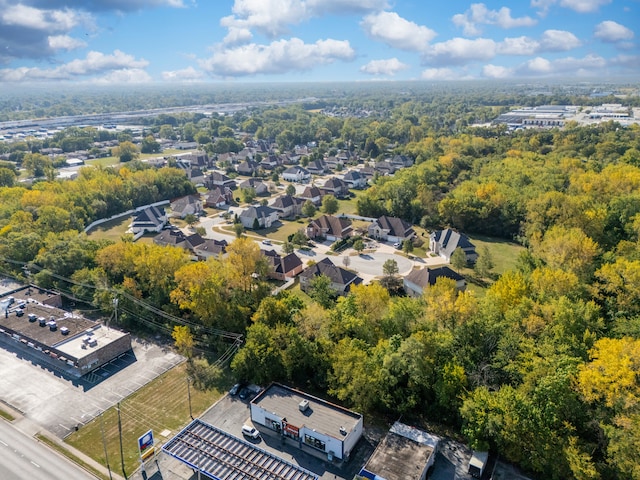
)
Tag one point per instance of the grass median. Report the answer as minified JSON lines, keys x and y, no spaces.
{"x":162,"y":406}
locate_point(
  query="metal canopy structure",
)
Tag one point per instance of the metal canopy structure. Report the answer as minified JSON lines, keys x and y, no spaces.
{"x":221,"y":456}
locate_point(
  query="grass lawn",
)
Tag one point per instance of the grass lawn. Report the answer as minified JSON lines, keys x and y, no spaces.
{"x":160,"y":405}
{"x":110,"y":161}
{"x":350,"y":206}
{"x":504,"y":253}
{"x":111,"y":230}
{"x":283,"y":231}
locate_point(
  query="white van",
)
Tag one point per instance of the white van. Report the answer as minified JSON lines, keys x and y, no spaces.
{"x":250,"y":432}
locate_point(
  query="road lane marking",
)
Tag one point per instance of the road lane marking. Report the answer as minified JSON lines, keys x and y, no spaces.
{"x":5,"y":444}
{"x":35,"y":464}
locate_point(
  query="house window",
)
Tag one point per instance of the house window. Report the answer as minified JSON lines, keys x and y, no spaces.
{"x":314,"y":442}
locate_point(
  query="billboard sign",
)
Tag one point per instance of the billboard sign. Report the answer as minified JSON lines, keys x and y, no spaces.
{"x":145,"y":444}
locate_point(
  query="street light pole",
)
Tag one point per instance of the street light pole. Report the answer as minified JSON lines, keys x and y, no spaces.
{"x":104,"y":444}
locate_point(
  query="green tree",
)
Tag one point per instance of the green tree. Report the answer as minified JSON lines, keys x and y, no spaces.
{"x":329,"y":204}
{"x":126,"y":151}
{"x":238,"y":229}
{"x":458,"y":259}
{"x":287,"y":247}
{"x":407,"y":247}
{"x":7,"y":177}
{"x":358,"y":245}
{"x":190,"y":219}
{"x":484,"y":264}
{"x":321,"y":291}
{"x":149,"y":145}
{"x":299,"y":238}
{"x":291,"y":189}
{"x":308,"y":209}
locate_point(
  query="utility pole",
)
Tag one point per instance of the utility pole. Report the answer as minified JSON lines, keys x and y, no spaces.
{"x":104,"y":444}
{"x":189,"y":396}
{"x":120,"y":435}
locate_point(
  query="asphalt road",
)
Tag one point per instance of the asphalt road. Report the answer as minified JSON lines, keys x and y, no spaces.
{"x":22,"y":457}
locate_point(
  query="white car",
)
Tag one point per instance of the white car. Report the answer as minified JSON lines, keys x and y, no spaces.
{"x":266,"y":242}
{"x":397,"y":245}
{"x":250,"y":431}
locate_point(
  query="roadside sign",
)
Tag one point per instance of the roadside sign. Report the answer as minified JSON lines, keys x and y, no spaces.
{"x":145,"y":445}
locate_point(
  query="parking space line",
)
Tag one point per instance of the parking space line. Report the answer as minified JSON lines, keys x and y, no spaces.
{"x":64,"y":427}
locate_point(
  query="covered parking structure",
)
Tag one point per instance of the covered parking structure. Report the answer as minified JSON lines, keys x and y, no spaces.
{"x":221,"y":456}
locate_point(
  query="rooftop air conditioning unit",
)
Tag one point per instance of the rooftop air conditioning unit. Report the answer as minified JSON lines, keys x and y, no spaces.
{"x":303,"y":405}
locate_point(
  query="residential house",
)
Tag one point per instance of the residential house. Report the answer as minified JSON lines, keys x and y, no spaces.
{"x":282,"y":267}
{"x":391,"y":229}
{"x":355,"y":179}
{"x":384,"y":168}
{"x":401,"y":161}
{"x":270,"y":162}
{"x":187,"y":205}
{"x":288,"y":206}
{"x":345,"y":156}
{"x":248,"y":168}
{"x":296,"y":174}
{"x":341,"y":279}
{"x":218,"y":197}
{"x":217,"y":179}
{"x":148,"y":219}
{"x":312,"y":193}
{"x":258,"y":215}
{"x":289,"y":159}
{"x":334,"y":163}
{"x":186,"y":145}
{"x":197,"y":159}
{"x":444,"y":243}
{"x":201,"y":248}
{"x":418,"y":280}
{"x":367,"y":172}
{"x":209,"y":248}
{"x":195,"y":175}
{"x":329,"y":227}
{"x":317,"y":167}
{"x":336,"y":187}
{"x":170,"y":237}
{"x":258,"y":186}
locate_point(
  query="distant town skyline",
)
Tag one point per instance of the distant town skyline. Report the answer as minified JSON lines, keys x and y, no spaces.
{"x":109,"y":42}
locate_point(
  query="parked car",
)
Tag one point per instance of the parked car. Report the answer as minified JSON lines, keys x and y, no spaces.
{"x":250,"y":432}
{"x":235,"y":389}
{"x":266,"y":242}
{"x":397,"y":245}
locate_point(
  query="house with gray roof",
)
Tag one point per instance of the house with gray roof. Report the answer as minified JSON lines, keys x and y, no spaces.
{"x":258,"y":215}
{"x":336,"y":187}
{"x":296,"y":174}
{"x":148,"y":219}
{"x":418,"y":280}
{"x":391,"y":229}
{"x":258,"y":186}
{"x":288,"y":206}
{"x":187,"y":205}
{"x":444,"y":243}
{"x":341,"y":279}
{"x":355,"y":179}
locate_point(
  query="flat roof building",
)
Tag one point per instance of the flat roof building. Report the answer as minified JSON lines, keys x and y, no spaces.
{"x":405,"y":453}
{"x":321,"y":427}
{"x":31,"y":316}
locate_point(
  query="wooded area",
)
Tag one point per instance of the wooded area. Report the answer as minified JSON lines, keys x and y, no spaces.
{"x":544,"y":367}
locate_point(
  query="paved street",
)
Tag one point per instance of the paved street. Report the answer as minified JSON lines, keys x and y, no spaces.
{"x":22,"y":457}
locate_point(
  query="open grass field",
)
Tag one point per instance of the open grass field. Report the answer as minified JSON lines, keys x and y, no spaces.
{"x":350,"y":206}
{"x":504,"y":253}
{"x":110,"y":161}
{"x":161,"y":406}
{"x":111,"y":230}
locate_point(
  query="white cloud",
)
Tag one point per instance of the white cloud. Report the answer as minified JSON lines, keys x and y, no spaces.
{"x":458,"y":51}
{"x":281,"y":56}
{"x":610,"y":31}
{"x":384,"y":67}
{"x":95,"y":63}
{"x":188,"y":74}
{"x":65,"y":42}
{"x":237,"y":35}
{"x":271,"y":17}
{"x":587,"y":66}
{"x":439,"y":74}
{"x":38,"y":19}
{"x":125,"y":75}
{"x":496,"y":71}
{"x":320,"y":7}
{"x":397,"y":32}
{"x":558,"y":41}
{"x":580,"y":6}
{"x":518,"y":46}
{"x":479,"y":14}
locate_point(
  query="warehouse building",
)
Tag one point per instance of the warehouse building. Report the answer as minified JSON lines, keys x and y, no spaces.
{"x":75,"y":345}
{"x":316,"y":426}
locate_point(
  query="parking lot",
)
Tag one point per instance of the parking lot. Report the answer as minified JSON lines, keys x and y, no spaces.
{"x":60,"y":403}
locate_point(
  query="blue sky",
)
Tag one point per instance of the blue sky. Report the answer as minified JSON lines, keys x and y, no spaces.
{"x":163,"y":41}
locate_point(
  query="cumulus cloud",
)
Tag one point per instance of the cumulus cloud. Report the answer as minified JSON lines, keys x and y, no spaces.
{"x":274,"y":17}
{"x":478,"y":14}
{"x":188,"y":74}
{"x":580,"y":6}
{"x":125,"y":75}
{"x":496,"y":71}
{"x":612,"y":32}
{"x":586,"y":66}
{"x":94,"y":64}
{"x":281,"y":56}
{"x":397,"y":32}
{"x":439,"y":74}
{"x":518,"y":46}
{"x":65,"y":42}
{"x":459,"y":51}
{"x":384,"y":67}
{"x":558,"y":41}
{"x":237,"y":35}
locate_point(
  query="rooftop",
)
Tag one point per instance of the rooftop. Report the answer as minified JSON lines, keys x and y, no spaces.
{"x":322,"y":416}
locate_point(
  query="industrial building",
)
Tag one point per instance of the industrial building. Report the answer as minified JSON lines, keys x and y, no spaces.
{"x":405,"y":453}
{"x":314,"y":425}
{"x":70,"y":343}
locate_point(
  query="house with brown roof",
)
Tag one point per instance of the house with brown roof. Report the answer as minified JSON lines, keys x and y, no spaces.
{"x":282,"y":267}
{"x":312,"y":193}
{"x":336,"y":187}
{"x":418,"y":280}
{"x":217,"y":179}
{"x":258,"y":186}
{"x":391,"y":229}
{"x":341,"y":279}
{"x":187,"y":205}
{"x":329,"y":227}
{"x":218,"y":197}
